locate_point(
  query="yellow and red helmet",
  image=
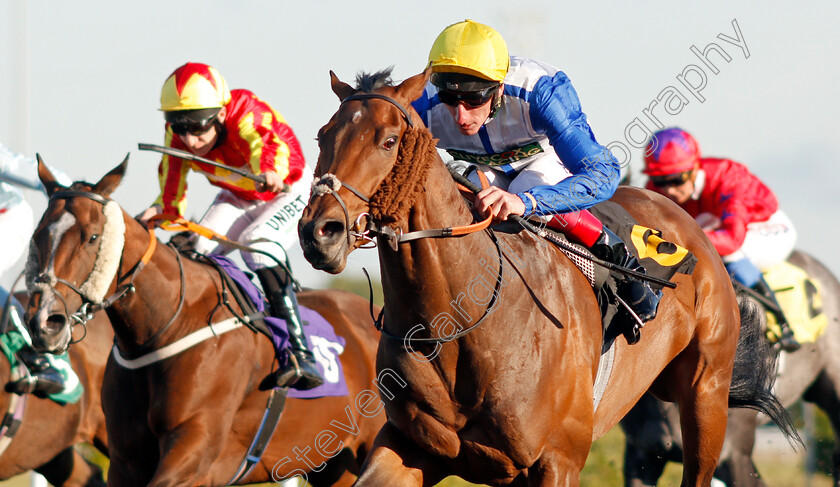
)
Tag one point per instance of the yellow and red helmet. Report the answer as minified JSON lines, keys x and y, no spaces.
{"x":471,"y":48}
{"x":194,"y":86}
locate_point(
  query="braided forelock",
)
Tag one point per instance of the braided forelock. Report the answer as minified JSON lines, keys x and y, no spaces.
{"x":398,"y":191}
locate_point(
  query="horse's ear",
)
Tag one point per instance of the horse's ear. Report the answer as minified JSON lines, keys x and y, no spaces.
{"x":110,"y":181}
{"x":46,"y":177}
{"x":340,"y":88}
{"x":411,"y":89}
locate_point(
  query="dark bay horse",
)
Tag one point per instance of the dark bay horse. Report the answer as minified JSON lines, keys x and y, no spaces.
{"x":499,"y":336}
{"x":812,"y":373}
{"x":189,"y":419}
{"x":44,"y":442}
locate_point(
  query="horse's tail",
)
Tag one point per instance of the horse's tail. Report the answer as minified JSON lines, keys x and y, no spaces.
{"x":755,"y":369}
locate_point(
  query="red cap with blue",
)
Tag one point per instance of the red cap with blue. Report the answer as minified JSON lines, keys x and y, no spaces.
{"x":671,"y":151}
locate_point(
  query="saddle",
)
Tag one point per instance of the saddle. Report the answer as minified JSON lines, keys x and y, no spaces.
{"x":800,"y":298}
{"x":247,"y":297}
{"x":661,"y":259}
{"x":253,"y":315}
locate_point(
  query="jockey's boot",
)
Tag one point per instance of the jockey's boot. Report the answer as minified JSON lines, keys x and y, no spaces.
{"x":585,"y":228}
{"x":301,"y":371}
{"x":787,"y":341}
{"x":43,"y":378}
{"x":638,"y":294}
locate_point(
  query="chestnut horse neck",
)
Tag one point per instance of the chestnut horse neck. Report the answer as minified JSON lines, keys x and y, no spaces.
{"x":149,"y":315}
{"x":418,"y":194}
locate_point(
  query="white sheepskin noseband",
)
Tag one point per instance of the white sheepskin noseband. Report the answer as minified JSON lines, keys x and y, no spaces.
{"x":108,"y":257}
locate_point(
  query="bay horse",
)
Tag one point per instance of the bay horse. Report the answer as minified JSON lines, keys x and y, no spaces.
{"x":499,"y":336}
{"x":190,"y":418}
{"x":812,"y":373}
{"x":48,"y":430}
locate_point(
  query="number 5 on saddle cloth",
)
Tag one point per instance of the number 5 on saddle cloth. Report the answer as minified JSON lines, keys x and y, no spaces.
{"x":326,"y":345}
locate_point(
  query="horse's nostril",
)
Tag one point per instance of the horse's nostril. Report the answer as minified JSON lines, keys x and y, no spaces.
{"x":55,"y":323}
{"x":330,"y":230}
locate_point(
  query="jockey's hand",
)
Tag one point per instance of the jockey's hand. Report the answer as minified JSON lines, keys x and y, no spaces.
{"x":499,"y":203}
{"x":273,"y":183}
{"x":148,"y":213}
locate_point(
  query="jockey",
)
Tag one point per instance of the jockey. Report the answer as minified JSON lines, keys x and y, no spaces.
{"x":17,"y":171}
{"x":739,"y":214}
{"x":235,"y":128}
{"x":519,"y":121}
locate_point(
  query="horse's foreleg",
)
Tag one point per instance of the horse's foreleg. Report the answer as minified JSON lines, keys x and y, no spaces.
{"x":70,"y":469}
{"x":346,"y":480}
{"x":642,"y":468}
{"x":736,"y":465}
{"x":396,"y":460}
{"x":555,"y":469}
{"x":188,"y":452}
{"x":825,"y":393}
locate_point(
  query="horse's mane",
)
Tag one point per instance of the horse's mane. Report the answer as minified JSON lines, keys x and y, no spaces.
{"x":81,"y":186}
{"x":368,"y":83}
{"x":397,"y":192}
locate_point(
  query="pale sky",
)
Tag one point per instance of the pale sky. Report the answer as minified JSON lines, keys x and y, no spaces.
{"x":80,"y":81}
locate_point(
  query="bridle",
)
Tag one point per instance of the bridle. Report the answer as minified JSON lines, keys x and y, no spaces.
{"x":331,"y":184}
{"x":47,"y":279}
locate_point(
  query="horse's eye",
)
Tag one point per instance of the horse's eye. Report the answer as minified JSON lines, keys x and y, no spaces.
{"x":390,"y":142}
{"x":93,"y":238}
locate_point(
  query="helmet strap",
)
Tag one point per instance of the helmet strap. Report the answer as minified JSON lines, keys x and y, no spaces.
{"x":221,"y":131}
{"x":496,"y":103}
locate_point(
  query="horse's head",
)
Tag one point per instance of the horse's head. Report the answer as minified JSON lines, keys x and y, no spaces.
{"x":359,"y":149}
{"x":74,"y":255}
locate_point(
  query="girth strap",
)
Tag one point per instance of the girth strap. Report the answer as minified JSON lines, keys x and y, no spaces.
{"x":271,"y":416}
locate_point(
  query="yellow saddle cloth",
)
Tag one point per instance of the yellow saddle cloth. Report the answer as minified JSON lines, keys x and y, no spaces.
{"x":801,"y":301}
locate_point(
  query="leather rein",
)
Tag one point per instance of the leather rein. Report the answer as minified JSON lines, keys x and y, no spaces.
{"x":359,"y":237}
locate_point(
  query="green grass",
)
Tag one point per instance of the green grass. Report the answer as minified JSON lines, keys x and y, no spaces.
{"x":603,"y":468}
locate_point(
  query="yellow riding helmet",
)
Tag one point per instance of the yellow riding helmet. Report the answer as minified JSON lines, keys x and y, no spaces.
{"x":470,"y":48}
{"x":194,"y":86}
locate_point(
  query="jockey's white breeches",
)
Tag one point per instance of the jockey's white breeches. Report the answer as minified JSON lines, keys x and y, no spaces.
{"x":766,"y":244}
{"x":268,"y":226}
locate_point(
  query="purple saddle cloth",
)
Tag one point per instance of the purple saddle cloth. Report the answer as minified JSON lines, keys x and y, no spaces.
{"x":324,"y":343}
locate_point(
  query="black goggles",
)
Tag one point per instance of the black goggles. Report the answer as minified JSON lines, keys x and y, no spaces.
{"x":670,"y":180}
{"x":472,"y":99}
{"x":194,"y":128}
{"x":195,"y":122}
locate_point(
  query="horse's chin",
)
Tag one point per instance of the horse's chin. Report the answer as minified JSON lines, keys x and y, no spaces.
{"x":325,"y":256}
{"x":56,"y":344}
{"x":332,"y":264}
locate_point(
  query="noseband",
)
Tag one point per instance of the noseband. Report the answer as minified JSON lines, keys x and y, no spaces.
{"x":91,"y":302}
{"x":330,"y":184}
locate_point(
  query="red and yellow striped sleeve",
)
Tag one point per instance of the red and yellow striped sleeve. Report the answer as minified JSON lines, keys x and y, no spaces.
{"x":172,"y":175}
{"x":261,"y":129}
